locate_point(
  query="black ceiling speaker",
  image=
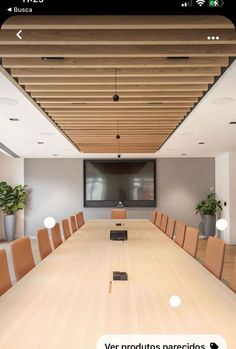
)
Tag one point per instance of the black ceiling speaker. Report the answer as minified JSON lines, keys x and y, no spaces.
{"x":119,"y":156}
{"x":117,"y":136}
{"x":115,"y":97}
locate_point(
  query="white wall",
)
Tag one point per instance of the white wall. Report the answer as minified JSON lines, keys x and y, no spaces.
{"x":12,"y":172}
{"x":225,"y":187}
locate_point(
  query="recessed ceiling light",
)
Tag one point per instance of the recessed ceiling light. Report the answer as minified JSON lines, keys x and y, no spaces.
{"x":78,"y":103}
{"x":40,"y":142}
{"x":54,"y":154}
{"x":8,"y":101}
{"x":186,"y":134}
{"x":183,"y":154}
{"x":201,"y":142}
{"x":223,"y":100}
{"x":14,"y":119}
{"x":232,"y":123}
{"x":47,"y":133}
{"x":174,"y":57}
{"x":52,"y":58}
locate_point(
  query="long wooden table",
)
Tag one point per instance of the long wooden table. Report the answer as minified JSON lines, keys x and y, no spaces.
{"x":68,"y":302}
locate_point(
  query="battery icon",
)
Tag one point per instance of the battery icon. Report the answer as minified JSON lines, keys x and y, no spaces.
{"x":216,"y":3}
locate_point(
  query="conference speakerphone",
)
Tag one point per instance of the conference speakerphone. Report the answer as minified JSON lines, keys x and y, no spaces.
{"x":120,"y":275}
{"x":118,"y":235}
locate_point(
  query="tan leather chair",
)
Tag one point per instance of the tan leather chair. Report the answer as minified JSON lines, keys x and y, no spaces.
{"x":22,"y":256}
{"x":153,"y":219}
{"x":119,"y":213}
{"x":80,"y":219}
{"x":44,"y":243}
{"x":73,"y":224}
{"x":214,"y":257}
{"x":233,"y":279}
{"x":164,"y":221}
{"x":170,"y":227}
{"x":158,"y":219}
{"x":180,"y":233}
{"x":56,"y":235}
{"x":191,"y":241}
{"x":5,"y":280}
{"x":66,"y":228}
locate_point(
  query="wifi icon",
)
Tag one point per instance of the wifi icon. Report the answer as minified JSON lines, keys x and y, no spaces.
{"x":200,"y":2}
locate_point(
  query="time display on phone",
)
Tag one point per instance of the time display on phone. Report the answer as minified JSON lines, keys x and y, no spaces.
{"x":33,"y":1}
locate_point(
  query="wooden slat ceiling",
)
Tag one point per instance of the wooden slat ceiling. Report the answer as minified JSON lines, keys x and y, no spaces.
{"x":163,"y":66}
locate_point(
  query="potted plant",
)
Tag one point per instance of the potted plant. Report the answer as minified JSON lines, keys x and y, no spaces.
{"x":209,"y":208}
{"x":12,"y":199}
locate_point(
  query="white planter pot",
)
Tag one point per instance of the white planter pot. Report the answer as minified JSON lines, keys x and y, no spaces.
{"x":10,"y":227}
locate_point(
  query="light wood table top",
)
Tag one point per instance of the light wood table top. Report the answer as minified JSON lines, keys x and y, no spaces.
{"x":64,"y":303}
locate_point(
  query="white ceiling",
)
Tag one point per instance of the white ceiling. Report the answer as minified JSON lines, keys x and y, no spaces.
{"x":21,"y":136}
{"x":208,"y":122}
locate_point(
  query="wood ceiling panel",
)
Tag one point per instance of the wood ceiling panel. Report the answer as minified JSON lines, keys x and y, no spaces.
{"x":118,"y":22}
{"x":118,"y":37}
{"x":108,"y":63}
{"x":122,"y":88}
{"x":109,"y":72}
{"x":120,"y":80}
{"x":163,"y":66}
{"x":125,"y":95}
{"x":211,"y":50}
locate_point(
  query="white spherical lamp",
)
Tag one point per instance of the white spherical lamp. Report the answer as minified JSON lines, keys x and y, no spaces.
{"x":221,"y":224}
{"x":49,"y":222}
{"x":174,"y":301}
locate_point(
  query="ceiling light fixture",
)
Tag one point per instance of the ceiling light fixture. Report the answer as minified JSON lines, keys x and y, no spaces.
{"x":186,"y":134}
{"x":174,"y":57}
{"x":118,"y":131}
{"x":115,"y":97}
{"x":14,"y":119}
{"x":54,"y":154}
{"x":183,"y":154}
{"x":223,"y":101}
{"x":118,"y":137}
{"x":52,"y":58}
{"x":8,"y":101}
{"x":40,"y":142}
{"x":201,"y":142}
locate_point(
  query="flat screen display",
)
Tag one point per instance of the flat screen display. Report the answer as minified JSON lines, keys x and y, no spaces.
{"x":108,"y":182}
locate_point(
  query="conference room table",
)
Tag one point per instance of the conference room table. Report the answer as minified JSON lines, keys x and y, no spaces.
{"x":68,"y":301}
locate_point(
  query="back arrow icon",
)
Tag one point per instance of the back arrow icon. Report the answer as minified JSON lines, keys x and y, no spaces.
{"x":18,"y":34}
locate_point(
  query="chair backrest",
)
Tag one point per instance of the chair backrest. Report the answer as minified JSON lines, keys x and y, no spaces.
{"x":56,"y":235}
{"x":170,"y":227}
{"x":73,"y":224}
{"x":164,"y":221}
{"x":153,"y":219}
{"x":44,"y":243}
{"x":191,"y":241}
{"x":233,"y":278}
{"x":66,"y":228}
{"x":158,"y":219}
{"x":180,"y":233}
{"x":5,"y":280}
{"x":214,"y":257}
{"x":22,"y":256}
{"x":119,"y":213}
{"x":80,"y":219}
